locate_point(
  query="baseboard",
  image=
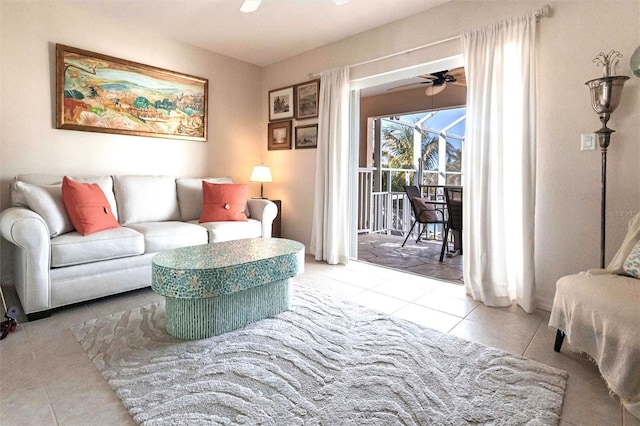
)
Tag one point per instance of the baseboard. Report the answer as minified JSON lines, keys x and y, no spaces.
{"x":544,"y":304}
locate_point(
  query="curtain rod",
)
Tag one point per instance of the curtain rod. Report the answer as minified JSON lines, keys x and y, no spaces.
{"x":381,"y":58}
{"x":544,"y":11}
{"x":413,"y":49}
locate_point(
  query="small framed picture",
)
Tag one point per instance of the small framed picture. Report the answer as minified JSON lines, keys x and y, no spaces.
{"x":281,"y":104}
{"x":307,"y":136}
{"x":307,"y":99}
{"x":279,"y":135}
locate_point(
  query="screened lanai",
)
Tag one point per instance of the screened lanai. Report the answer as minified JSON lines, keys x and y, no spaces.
{"x":424,"y":149}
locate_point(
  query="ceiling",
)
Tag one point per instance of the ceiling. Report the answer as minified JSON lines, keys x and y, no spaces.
{"x":278,"y":30}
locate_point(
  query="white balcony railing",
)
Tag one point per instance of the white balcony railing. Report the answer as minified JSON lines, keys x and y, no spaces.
{"x":387,"y":211}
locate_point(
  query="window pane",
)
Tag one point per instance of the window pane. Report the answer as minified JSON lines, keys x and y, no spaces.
{"x":397,"y":145}
{"x":454,"y":179}
{"x":430,"y":156}
{"x":454,"y":155}
{"x":430,"y":178}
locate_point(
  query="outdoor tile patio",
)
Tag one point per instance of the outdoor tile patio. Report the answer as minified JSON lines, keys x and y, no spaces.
{"x":420,"y":258}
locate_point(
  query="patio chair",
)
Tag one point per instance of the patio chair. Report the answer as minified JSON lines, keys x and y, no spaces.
{"x":453,"y":197}
{"x":424,"y":211}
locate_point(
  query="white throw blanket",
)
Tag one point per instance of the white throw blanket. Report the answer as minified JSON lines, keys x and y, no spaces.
{"x":599,"y":310}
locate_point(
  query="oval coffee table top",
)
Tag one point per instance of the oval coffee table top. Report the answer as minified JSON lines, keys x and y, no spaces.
{"x":211,"y":270}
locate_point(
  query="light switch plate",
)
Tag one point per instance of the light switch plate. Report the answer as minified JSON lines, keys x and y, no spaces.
{"x":588,"y":142}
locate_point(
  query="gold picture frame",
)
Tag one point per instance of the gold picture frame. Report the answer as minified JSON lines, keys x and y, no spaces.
{"x":101,"y":93}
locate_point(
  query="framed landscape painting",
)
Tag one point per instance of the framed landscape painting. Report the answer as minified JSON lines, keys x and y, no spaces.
{"x":279,"y":135}
{"x":100,"y":93}
{"x":281,"y":104}
{"x":307,"y":99}
{"x":306,"y":136}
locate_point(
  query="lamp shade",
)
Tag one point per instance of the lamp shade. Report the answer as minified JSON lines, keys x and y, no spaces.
{"x":261,"y":174}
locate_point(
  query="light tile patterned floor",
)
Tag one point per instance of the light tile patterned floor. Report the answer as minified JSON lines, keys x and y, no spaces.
{"x":46,"y":378}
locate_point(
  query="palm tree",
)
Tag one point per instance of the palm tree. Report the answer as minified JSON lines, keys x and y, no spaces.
{"x":454,"y":163}
{"x":397,"y":151}
{"x":430,"y":148}
{"x":397,"y":146}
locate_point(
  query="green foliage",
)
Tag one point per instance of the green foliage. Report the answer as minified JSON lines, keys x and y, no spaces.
{"x":454,"y":161}
{"x":397,"y":146}
{"x":73,"y":94}
{"x":141,"y":103}
{"x":165,"y":104}
{"x":397,"y":152}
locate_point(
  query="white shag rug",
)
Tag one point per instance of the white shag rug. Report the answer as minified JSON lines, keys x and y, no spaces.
{"x":324,"y":362}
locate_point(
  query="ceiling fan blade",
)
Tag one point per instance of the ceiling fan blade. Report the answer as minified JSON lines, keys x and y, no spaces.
{"x":250,"y":6}
{"x":461,"y":80}
{"x":434,"y":90}
{"x":457,"y":73}
{"x":420,"y":83}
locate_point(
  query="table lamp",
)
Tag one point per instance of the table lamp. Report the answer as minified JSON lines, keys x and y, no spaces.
{"x":261,"y":174}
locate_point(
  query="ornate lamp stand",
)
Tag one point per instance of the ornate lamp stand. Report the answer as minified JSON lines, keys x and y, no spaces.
{"x":605,"y":98}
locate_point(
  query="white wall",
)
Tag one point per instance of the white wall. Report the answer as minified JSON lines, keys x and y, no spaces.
{"x":30,"y":143}
{"x":567,"y":216}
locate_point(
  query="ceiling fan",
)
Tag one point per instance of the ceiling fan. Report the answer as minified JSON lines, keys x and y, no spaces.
{"x":437,"y":81}
{"x":252,"y":5}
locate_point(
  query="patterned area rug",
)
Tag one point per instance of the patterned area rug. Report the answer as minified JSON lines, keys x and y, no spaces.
{"x":324,"y":362}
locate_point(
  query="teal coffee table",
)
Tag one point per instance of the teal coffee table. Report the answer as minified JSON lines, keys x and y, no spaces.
{"x":215,"y":288}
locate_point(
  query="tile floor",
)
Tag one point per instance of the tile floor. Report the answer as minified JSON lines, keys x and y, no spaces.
{"x":47,"y":379}
{"x":422,"y":258}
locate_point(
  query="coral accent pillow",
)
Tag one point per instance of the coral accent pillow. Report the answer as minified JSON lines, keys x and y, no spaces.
{"x":87,"y":207}
{"x":223,"y":202}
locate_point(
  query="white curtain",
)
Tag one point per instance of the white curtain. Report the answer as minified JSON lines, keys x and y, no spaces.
{"x":499,"y":163}
{"x":330,"y":227}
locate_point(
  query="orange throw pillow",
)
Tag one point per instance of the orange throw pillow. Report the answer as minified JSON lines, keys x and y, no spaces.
{"x":223,"y":202}
{"x":87,"y":207}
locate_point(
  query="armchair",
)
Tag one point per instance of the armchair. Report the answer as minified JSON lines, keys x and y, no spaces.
{"x":424,"y":211}
{"x":598,"y":312}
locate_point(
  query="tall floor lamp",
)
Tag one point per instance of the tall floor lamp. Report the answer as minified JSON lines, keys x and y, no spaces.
{"x":605,"y":98}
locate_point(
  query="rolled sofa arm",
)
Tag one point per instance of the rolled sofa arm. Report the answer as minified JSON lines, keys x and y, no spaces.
{"x":265,"y":211}
{"x":29,"y":233}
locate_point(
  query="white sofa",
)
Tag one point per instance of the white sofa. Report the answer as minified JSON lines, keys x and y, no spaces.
{"x":54,"y":266}
{"x":599,"y":313}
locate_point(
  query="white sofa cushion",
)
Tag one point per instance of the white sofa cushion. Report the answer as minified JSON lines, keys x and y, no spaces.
{"x":104,"y":182}
{"x":160,"y":236}
{"x":190,"y":195}
{"x":146,"y":198}
{"x":227,"y":231}
{"x":74,"y":249}
{"x":46,"y":200}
